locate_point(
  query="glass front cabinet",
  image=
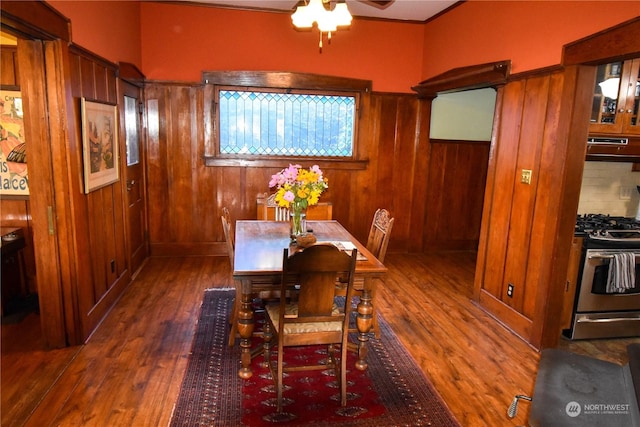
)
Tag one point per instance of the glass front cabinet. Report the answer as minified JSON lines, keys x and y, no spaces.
{"x":616,"y":99}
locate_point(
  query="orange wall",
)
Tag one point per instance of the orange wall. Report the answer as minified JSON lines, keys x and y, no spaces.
{"x":110,"y":29}
{"x":179,"y":42}
{"x":170,"y":41}
{"x":529,"y":33}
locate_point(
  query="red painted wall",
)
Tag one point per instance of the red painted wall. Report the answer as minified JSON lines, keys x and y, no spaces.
{"x":170,"y":41}
{"x":179,"y":42}
{"x":529,"y":33}
{"x":110,"y":29}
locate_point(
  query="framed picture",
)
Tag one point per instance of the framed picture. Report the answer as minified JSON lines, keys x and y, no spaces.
{"x":100,"y":144}
{"x":14,"y":177}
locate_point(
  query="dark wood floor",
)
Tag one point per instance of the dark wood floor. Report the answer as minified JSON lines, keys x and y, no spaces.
{"x":129,"y":373}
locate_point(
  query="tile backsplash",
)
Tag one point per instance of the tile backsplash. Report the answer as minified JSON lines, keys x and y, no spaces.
{"x":609,"y":188}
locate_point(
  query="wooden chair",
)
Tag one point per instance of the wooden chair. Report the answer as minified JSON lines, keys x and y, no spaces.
{"x":263,"y":289}
{"x":313,"y":318}
{"x":379,"y":233}
{"x":268,"y":209}
{"x":228,"y":234}
{"x":377,"y":243}
{"x":229,"y":239}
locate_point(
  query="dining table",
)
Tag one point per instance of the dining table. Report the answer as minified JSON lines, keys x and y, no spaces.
{"x":258,"y":256}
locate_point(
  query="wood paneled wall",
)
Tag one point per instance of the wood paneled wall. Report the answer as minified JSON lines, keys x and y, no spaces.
{"x":186,"y":196}
{"x":456,"y":168}
{"x":98,"y":217}
{"x":526,"y":232}
{"x":78,"y":239}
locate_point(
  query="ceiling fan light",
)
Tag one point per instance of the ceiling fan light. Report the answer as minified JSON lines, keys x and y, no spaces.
{"x":303,"y":17}
{"x":341,"y":15}
{"x":327,"y":21}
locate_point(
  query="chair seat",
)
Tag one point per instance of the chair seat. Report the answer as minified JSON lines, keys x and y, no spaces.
{"x":291,"y":312}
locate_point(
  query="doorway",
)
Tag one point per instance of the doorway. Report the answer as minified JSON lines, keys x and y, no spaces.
{"x":20,"y":309}
{"x":460,"y":140}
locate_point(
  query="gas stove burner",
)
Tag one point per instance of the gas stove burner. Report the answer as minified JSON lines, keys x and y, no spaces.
{"x":598,"y":224}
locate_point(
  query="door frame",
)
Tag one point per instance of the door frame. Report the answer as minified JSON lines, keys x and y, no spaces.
{"x":43,"y":37}
{"x":130,"y":82}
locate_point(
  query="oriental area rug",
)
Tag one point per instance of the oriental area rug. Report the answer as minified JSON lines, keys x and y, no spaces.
{"x":393,"y":391}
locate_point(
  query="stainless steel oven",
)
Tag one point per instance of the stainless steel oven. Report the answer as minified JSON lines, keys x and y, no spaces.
{"x":597,"y":312}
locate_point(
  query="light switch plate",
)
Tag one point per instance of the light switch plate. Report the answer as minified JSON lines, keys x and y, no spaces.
{"x":625,"y":192}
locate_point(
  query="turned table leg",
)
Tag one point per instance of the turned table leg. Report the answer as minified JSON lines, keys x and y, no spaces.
{"x":364,"y":321}
{"x":245,"y":329}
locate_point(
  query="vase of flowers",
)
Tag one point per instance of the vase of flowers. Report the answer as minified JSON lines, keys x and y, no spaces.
{"x":297,"y":223}
{"x":296,"y":189}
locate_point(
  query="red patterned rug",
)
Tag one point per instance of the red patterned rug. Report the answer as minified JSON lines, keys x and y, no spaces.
{"x":391,"y":392}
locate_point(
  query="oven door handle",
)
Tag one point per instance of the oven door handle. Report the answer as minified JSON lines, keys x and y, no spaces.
{"x":608,"y":320}
{"x":603,"y":256}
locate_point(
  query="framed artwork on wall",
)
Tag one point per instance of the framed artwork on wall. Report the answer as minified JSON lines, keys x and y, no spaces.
{"x":99,"y":143}
{"x":14,"y":177}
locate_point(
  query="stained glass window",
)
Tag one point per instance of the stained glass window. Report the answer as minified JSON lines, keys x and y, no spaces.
{"x":286,"y":124}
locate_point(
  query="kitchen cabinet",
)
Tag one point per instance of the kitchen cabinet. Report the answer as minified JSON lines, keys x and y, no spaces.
{"x":616,"y":99}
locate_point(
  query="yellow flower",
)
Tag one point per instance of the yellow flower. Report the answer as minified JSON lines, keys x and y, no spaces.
{"x":297,"y":186}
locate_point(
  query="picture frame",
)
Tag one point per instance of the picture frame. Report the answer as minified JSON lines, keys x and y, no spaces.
{"x":14,"y":176}
{"x":100,"y":144}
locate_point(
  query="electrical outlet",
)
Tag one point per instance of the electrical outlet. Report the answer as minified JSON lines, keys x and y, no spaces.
{"x":510,"y":290}
{"x":625,"y":192}
{"x":525,"y":176}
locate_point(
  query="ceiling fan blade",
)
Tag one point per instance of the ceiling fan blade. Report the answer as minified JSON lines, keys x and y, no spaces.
{"x":378,"y":4}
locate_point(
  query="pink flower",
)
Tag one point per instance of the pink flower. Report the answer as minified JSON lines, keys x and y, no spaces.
{"x":316,"y":169}
{"x":291,"y":173}
{"x":275,"y":180}
{"x":289,"y":196}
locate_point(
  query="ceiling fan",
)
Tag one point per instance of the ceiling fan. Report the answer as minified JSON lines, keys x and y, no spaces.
{"x":379,"y":4}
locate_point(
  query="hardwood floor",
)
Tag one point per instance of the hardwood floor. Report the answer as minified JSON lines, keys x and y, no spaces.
{"x":129,"y":372}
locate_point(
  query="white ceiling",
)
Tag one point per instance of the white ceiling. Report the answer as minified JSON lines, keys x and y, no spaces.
{"x":405,"y":10}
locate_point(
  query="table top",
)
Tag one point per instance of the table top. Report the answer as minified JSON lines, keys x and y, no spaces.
{"x":259,"y":247}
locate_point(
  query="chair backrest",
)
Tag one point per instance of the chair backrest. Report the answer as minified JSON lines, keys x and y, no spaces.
{"x":314,"y":271}
{"x":379,"y":234}
{"x":268,"y":209}
{"x":228,"y":234}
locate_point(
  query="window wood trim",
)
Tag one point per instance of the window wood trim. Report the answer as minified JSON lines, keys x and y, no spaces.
{"x":265,"y":80}
{"x":285,"y":80}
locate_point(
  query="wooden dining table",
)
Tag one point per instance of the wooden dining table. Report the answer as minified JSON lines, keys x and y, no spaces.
{"x":258,"y":261}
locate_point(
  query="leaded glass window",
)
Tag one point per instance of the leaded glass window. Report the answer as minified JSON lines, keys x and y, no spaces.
{"x":281,"y":123}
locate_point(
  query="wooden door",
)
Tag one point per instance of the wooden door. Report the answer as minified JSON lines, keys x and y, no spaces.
{"x":136,"y":212}
{"x":41,"y":116}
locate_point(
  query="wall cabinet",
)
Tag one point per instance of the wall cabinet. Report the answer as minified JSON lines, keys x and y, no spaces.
{"x":616,"y":99}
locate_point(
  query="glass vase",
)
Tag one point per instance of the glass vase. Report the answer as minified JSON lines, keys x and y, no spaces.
{"x":298,"y":223}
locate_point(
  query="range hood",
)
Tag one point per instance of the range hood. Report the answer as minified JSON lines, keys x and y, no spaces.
{"x":613,"y":149}
{"x":607,"y":141}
